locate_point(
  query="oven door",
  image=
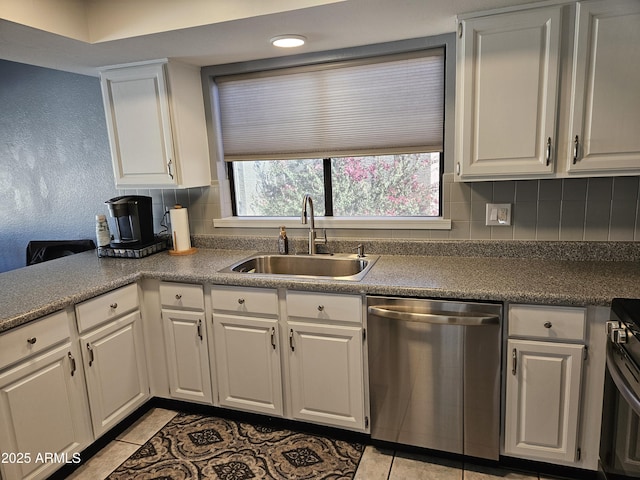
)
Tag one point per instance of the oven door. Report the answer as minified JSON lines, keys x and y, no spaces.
{"x":620,"y":440}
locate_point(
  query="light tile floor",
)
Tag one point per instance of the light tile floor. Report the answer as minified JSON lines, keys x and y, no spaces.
{"x":376,"y":464}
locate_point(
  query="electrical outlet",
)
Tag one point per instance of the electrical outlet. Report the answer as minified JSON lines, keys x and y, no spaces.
{"x":498,"y":214}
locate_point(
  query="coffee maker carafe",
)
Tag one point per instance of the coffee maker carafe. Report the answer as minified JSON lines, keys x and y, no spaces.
{"x":132,"y":221}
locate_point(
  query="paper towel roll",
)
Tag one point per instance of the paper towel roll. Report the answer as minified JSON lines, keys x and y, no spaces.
{"x":179,"y":218}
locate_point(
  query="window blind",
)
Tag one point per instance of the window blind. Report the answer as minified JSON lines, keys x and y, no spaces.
{"x":389,"y":104}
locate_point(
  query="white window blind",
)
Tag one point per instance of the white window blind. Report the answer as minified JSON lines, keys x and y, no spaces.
{"x":390,"y":104}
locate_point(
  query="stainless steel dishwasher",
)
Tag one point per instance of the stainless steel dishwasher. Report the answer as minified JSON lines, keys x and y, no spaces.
{"x":434,"y":374}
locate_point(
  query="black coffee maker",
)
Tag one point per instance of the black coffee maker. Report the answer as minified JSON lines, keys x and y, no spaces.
{"x":132,"y":224}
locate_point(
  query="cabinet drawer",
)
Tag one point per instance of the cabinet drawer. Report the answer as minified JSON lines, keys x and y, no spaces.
{"x":181,"y":295}
{"x":322,"y":306}
{"x":33,"y":338}
{"x":548,"y":322}
{"x":262,"y":301}
{"x":106,"y":307}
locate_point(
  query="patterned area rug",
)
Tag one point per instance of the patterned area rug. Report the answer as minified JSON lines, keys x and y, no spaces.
{"x":203,"y":447}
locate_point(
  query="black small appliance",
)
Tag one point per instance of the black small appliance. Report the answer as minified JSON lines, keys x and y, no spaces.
{"x":132,"y":224}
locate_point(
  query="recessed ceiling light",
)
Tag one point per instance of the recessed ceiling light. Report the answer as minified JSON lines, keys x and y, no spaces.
{"x":288,"y":41}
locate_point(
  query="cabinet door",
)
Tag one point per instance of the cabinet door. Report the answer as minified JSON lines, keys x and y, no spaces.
{"x":248,"y":363}
{"x":326,"y":369}
{"x":507,"y":94}
{"x":43,"y":409}
{"x":543,"y":399}
{"x":139,"y":126}
{"x":187,"y":355}
{"x":606,"y":75}
{"x":116,"y":371}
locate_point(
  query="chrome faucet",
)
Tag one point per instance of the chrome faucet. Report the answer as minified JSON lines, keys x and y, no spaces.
{"x":312,"y":224}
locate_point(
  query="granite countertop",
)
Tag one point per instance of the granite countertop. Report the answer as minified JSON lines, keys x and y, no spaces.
{"x":32,"y":292}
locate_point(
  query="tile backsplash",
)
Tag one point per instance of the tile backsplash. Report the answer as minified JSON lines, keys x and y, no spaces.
{"x":571,"y":209}
{"x":558,"y":209}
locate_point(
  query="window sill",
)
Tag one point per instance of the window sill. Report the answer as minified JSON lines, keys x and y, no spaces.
{"x":373,"y":223}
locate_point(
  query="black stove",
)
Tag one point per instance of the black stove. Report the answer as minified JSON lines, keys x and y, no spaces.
{"x":620,"y":438}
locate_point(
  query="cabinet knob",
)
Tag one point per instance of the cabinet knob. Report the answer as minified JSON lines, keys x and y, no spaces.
{"x":31,"y":340}
{"x":241,"y":301}
{"x":548,"y":325}
{"x":178,"y":296}
{"x":113,"y":306}
{"x":320,"y":308}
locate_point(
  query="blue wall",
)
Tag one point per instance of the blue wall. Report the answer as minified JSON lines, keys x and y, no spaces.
{"x":55,"y":165}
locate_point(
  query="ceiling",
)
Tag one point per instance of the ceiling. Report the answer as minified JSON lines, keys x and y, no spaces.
{"x":81,"y":35}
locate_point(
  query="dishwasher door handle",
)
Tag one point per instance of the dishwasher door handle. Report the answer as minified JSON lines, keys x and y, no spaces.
{"x":467,"y":320}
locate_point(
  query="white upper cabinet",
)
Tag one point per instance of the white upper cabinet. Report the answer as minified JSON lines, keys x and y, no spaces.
{"x":156,"y":125}
{"x":549,"y":92}
{"x":605,"y":116}
{"x":507,"y":93}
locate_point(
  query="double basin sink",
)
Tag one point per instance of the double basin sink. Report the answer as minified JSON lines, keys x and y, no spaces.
{"x":339,"y":266}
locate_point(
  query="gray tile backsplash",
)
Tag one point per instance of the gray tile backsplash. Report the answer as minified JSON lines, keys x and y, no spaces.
{"x":572,"y":209}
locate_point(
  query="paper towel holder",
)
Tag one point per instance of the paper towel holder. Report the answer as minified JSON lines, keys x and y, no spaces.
{"x":189,"y":251}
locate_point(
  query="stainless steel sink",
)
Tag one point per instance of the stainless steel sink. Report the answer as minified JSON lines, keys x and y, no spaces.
{"x":337,"y":266}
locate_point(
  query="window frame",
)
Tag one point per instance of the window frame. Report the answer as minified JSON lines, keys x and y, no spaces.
{"x":227,"y":195}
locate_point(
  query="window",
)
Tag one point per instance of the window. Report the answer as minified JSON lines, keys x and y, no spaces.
{"x":379,"y":186}
{"x":363,"y":137}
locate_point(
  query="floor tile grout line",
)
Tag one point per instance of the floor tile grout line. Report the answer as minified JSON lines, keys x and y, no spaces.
{"x":129,"y":442}
{"x":391,"y":466}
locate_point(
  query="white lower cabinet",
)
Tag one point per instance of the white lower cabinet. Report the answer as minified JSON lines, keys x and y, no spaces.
{"x":247,"y":351}
{"x":248,"y":363}
{"x":326,"y":359}
{"x":187,"y":355}
{"x":543,"y":399}
{"x":43,"y":405}
{"x":326,"y":374}
{"x":114,"y":357}
{"x":307,"y":364}
{"x":185,"y":337}
{"x":554,"y":377}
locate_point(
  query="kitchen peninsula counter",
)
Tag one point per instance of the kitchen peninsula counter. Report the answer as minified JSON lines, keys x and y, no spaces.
{"x":31,"y":292}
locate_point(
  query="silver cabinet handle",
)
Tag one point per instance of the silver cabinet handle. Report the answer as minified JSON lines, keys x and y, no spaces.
{"x":320,"y":308}
{"x":458,"y":168}
{"x":273,"y":337}
{"x":548,"y":325}
{"x":291,"y":340}
{"x":73,"y":363}
{"x":514,"y":358}
{"x":241,"y":301}
{"x":437,"y":318}
{"x":576,"y":149}
{"x":548,"y":156}
{"x":32,"y":340}
{"x":113,"y":306}
{"x":178,"y":296}
{"x":200,"y":329}
{"x":90,"y":354}
{"x":169,"y":169}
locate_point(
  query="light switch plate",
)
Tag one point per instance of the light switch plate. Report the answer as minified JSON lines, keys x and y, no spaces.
{"x":498,"y":214}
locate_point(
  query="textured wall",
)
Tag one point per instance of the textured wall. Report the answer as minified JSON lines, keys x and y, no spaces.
{"x":55,"y":166}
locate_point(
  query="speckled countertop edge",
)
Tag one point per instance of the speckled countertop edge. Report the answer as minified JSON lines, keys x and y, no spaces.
{"x":33,"y":292}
